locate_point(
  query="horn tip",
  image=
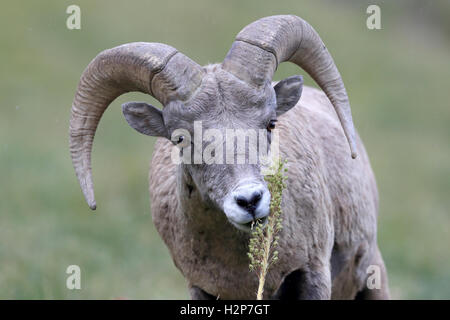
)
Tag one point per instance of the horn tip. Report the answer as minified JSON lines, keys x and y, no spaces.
{"x":88,"y":191}
{"x":93,"y":205}
{"x":354,"y":155}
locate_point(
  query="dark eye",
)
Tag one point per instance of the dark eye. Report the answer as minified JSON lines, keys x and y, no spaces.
{"x":271,"y":125}
{"x":180,"y":139}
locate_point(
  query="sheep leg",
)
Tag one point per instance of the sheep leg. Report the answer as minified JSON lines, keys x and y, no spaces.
{"x":199,"y":294}
{"x":305,"y":285}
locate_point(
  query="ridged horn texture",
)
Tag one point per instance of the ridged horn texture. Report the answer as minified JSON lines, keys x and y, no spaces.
{"x":153,"y":68}
{"x":265,"y":43}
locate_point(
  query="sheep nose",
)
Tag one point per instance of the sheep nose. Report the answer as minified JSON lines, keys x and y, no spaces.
{"x":249,"y":202}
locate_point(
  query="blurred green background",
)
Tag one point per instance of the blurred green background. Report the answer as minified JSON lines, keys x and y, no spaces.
{"x":397,"y":79}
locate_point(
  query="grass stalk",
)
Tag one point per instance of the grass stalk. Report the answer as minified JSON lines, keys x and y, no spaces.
{"x":264,"y":238}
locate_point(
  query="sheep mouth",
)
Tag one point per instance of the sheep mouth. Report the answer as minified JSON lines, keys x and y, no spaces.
{"x":249,"y":226}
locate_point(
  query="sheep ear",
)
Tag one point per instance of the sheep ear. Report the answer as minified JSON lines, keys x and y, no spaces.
{"x":145,"y":118}
{"x":288,"y":92}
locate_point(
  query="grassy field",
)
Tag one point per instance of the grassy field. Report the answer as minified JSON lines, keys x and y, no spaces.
{"x":398,"y":82}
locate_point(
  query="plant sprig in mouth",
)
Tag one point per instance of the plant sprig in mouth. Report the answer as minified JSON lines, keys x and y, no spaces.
{"x":260,"y":221}
{"x":248,"y":227}
{"x":264,"y":232}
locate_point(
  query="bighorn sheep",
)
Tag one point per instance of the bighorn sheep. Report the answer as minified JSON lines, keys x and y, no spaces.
{"x":203,"y":211}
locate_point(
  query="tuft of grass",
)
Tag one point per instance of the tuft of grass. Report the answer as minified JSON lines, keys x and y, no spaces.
{"x":264,"y":238}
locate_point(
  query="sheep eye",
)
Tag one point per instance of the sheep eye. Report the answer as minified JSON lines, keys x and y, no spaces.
{"x":271,"y":125}
{"x":180,"y":139}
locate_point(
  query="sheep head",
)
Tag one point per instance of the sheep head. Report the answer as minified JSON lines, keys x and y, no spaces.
{"x":234,"y":95}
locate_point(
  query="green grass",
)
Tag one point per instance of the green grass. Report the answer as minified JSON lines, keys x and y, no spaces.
{"x":397,"y":79}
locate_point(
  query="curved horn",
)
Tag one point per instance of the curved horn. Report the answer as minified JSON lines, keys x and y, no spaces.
{"x":152,"y":68}
{"x":265,"y":43}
